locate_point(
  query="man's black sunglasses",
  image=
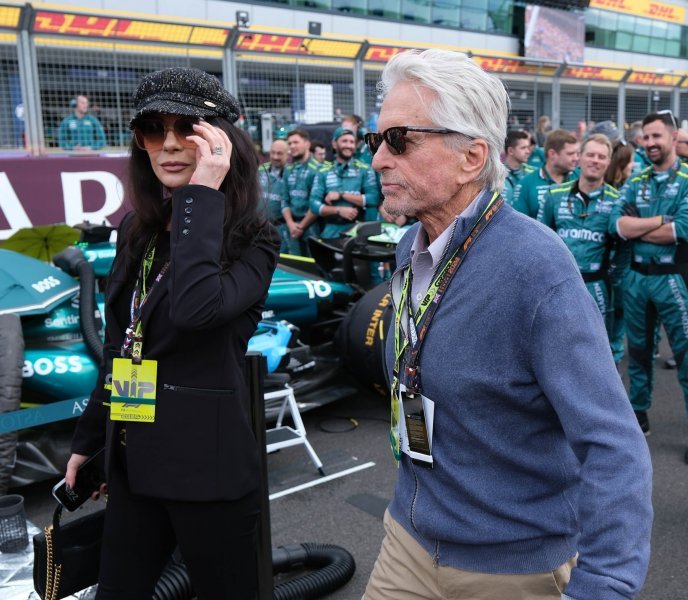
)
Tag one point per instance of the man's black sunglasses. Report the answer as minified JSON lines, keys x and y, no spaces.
{"x":396,"y":137}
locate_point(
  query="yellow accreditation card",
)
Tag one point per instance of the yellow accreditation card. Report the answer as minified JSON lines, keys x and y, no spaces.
{"x":133,"y":390}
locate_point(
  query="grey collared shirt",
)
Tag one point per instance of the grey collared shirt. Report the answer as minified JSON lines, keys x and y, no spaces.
{"x":426,"y":258}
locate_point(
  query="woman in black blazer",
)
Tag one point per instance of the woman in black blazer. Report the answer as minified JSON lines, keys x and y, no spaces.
{"x":186,"y":291}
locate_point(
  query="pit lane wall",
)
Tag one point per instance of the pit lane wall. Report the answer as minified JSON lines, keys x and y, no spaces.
{"x":61,"y":189}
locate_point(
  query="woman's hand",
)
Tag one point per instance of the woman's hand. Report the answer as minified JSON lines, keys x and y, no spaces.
{"x":212,"y":155}
{"x":73,"y":464}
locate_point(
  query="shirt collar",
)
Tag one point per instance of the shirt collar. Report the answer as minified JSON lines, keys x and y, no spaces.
{"x":437,"y":248}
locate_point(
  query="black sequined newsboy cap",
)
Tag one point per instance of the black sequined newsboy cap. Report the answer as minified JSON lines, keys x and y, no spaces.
{"x":184,"y":91}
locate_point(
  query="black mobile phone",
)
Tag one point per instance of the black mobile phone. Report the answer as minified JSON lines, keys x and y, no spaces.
{"x":88,"y":479}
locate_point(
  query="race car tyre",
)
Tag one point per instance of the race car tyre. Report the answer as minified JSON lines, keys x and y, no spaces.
{"x":11,"y":363}
{"x":362,"y":338}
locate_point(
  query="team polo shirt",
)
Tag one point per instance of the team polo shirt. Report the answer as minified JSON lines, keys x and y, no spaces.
{"x":353,"y":177}
{"x":582,"y":225}
{"x":273,"y":190}
{"x":658,"y":193}
{"x":530,"y":191}
{"x":84,"y":131}
{"x":298,"y":181}
{"x":512,"y":179}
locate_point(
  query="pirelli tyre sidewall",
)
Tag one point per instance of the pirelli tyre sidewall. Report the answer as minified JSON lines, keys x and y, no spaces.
{"x":363,"y":335}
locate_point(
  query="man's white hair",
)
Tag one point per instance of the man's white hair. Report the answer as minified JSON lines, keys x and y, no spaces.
{"x":467,"y":99}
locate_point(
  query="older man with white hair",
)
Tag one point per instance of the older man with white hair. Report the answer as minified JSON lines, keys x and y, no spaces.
{"x":523,"y":473}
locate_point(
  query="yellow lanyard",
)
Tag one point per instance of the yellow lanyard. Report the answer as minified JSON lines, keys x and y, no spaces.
{"x":413,"y":340}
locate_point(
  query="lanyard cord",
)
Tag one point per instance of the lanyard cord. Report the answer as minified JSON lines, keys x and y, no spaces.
{"x":133,"y":336}
{"x":418,"y":326}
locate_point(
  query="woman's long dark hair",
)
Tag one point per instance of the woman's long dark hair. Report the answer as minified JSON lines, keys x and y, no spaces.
{"x":621,"y":156}
{"x":244,"y":222}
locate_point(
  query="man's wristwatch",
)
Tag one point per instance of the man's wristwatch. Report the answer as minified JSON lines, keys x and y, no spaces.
{"x":667,"y":219}
{"x":341,"y":195}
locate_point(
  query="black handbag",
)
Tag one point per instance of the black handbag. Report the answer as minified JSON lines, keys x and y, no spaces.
{"x":66,"y":558}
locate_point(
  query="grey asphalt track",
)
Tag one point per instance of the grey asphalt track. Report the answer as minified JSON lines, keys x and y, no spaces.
{"x":348,"y":511}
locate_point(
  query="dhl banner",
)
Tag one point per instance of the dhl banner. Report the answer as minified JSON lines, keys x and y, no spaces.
{"x":643,"y":8}
{"x":653,"y":79}
{"x":291,"y":44}
{"x":381,"y":53}
{"x":594,"y":73}
{"x":507,"y":65}
{"x":9,"y":16}
{"x":127,"y":29}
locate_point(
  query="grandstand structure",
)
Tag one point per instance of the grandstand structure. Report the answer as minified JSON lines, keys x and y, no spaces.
{"x":294,"y":61}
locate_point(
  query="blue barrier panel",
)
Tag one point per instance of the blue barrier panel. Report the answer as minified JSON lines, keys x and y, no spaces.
{"x":40,"y":415}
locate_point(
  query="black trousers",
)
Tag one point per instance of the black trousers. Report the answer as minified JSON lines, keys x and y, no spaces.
{"x":217,"y":541}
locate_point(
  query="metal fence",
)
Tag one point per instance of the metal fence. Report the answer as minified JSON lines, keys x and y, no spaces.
{"x":11,"y":106}
{"x":41,"y":75}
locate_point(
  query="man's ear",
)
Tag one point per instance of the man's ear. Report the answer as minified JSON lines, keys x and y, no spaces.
{"x":474,"y":159}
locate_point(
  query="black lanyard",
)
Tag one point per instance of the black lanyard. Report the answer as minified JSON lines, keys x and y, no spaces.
{"x":133,"y":336}
{"x":418,"y":326}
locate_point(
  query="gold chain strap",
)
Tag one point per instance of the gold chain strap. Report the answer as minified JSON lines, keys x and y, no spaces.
{"x":53,"y":572}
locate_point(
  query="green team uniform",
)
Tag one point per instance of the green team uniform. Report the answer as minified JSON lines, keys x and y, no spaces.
{"x":640,"y":160}
{"x":298,"y":181}
{"x":618,"y":269}
{"x":84,"y":131}
{"x":273,"y":190}
{"x":353,"y":177}
{"x":537,"y":157}
{"x":531,"y":189}
{"x":513,"y":176}
{"x":364,"y":154}
{"x":582,"y":222}
{"x":655,"y":286}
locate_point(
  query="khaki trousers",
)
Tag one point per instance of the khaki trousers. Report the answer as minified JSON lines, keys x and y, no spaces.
{"x":405,"y":571}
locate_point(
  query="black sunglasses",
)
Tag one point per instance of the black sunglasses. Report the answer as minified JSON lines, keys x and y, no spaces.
{"x":150,"y":133}
{"x":396,"y":137}
{"x":671,"y":114}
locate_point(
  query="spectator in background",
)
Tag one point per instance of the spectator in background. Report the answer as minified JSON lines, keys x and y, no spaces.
{"x":635,"y":137}
{"x":355,"y":124}
{"x":621,"y":165}
{"x":537,"y":154}
{"x":517,"y":147}
{"x":580,"y":211}
{"x":81,"y":131}
{"x":345,"y":191}
{"x":272,"y":187}
{"x":298,"y":181}
{"x":618,"y":172}
{"x":561,"y":150}
{"x":544,"y":126}
{"x":319,"y":152}
{"x":682,"y":145}
{"x":655,"y":219}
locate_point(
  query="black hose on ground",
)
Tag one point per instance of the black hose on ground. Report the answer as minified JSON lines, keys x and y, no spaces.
{"x":72,"y":261}
{"x":333,"y":565}
{"x":174,"y":583}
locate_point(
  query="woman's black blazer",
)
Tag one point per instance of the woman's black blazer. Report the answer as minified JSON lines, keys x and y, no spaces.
{"x":196,"y":324}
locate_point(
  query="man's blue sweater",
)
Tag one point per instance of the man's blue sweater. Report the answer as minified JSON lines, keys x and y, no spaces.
{"x":537,"y":453}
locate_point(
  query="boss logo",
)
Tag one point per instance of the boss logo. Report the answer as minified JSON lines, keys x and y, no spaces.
{"x":45,"y":284}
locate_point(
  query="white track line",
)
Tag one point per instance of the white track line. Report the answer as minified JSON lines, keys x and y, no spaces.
{"x":325,"y":479}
